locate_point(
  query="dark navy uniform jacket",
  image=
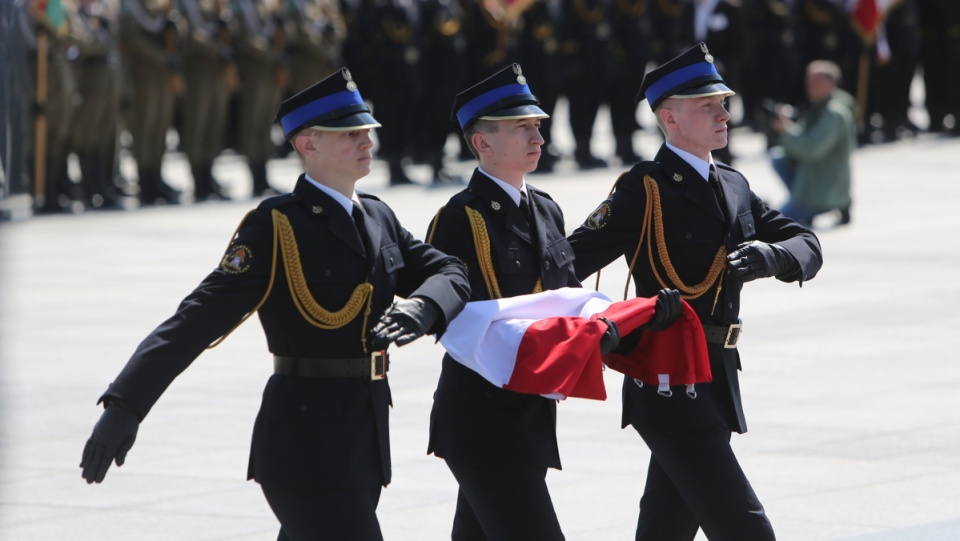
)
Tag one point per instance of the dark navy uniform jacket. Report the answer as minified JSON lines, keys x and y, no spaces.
{"x":310,"y":430}
{"x":694,"y":229}
{"x":472,"y":419}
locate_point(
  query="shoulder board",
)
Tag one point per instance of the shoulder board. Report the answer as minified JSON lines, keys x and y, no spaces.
{"x":539,"y":192}
{"x":462,"y":198}
{"x":725,"y":167}
{"x":366,"y":195}
{"x":643,"y":169}
{"x":637,"y":172}
{"x":278,"y":201}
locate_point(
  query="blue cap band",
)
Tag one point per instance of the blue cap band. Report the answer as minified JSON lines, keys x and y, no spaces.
{"x":481,"y":102}
{"x":677,"y":78}
{"x":303,"y":114}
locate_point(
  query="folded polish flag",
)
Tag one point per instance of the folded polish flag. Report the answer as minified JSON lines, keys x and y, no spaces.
{"x":549,"y":343}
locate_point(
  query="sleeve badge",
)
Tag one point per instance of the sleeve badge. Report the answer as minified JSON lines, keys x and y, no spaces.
{"x":598,"y":219}
{"x":237,"y":260}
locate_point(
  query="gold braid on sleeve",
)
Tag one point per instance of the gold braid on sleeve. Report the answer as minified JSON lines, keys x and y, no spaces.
{"x":315,"y":314}
{"x":654,"y":234}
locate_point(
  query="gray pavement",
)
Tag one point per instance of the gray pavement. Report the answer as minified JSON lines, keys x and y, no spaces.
{"x":850,"y":383}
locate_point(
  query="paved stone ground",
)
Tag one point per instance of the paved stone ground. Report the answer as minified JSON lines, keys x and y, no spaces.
{"x":850,"y":383}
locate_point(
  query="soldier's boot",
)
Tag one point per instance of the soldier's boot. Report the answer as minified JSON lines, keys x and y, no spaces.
{"x":97,"y":180}
{"x":205,"y":186}
{"x":398,"y":177}
{"x":625,"y":150}
{"x":261,"y":186}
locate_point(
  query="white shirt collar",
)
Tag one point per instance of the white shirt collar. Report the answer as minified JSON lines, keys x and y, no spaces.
{"x":345,"y":202}
{"x":509,"y":188}
{"x":701,"y":166}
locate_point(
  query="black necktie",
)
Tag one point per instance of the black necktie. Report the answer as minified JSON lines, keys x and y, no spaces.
{"x":714,"y":181}
{"x":361,"y":226}
{"x":525,"y":208}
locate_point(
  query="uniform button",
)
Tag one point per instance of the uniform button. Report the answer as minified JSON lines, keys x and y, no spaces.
{"x":730,"y":305}
{"x":303,"y":408}
{"x":546,"y":265}
{"x":517,"y":263}
{"x":326,"y":274}
{"x":391,"y":261}
{"x":688,"y":236}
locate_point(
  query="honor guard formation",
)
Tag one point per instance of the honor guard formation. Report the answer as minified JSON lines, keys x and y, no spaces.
{"x":91,"y":82}
{"x":337,"y":282}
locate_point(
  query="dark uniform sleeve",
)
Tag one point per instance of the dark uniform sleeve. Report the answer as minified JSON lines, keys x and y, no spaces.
{"x":432,"y":274}
{"x":774,"y":228}
{"x":611,"y":230}
{"x":221,"y":300}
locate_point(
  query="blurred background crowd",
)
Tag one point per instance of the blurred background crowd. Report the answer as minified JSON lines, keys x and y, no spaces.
{"x":88,"y":80}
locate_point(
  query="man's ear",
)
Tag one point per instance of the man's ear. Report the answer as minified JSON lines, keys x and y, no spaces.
{"x":667,"y":116}
{"x":479,"y":140}
{"x":303,"y":142}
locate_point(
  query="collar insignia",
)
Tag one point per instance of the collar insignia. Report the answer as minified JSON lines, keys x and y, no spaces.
{"x":495,"y":205}
{"x":316,"y":209}
{"x":677,"y":177}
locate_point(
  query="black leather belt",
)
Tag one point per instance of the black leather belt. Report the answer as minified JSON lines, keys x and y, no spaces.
{"x":725,"y":335}
{"x":374,"y":367}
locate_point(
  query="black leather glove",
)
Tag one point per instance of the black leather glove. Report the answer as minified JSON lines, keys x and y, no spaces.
{"x":668,"y":309}
{"x":757,"y":259}
{"x":404,"y":322}
{"x":610,"y":339}
{"x":113,"y":436}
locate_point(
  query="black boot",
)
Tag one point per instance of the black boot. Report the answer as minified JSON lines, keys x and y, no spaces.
{"x":154,"y":190}
{"x":205,"y":187}
{"x":398,"y":177}
{"x":625,"y":150}
{"x":261,"y":186}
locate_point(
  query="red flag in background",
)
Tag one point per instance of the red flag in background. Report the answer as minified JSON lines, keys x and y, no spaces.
{"x":865,"y":17}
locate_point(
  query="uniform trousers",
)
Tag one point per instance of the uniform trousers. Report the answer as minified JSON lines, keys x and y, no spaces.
{"x":503,"y":503}
{"x":326,"y":514}
{"x":694,"y":481}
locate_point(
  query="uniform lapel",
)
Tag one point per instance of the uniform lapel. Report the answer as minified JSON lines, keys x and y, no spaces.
{"x":696,"y":189}
{"x":539,"y":225}
{"x":501,"y":207}
{"x":374,"y":231}
{"x":322,"y":206}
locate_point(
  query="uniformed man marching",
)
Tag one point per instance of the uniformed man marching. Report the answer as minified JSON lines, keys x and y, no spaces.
{"x":499,"y":443}
{"x":320,"y":280}
{"x":707,"y":234}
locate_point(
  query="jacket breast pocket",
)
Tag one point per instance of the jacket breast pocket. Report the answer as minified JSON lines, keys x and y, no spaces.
{"x":748,"y":228}
{"x":392,"y":258}
{"x":559,"y":254}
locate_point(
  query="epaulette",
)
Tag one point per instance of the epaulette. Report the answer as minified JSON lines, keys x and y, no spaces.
{"x":367,"y":195}
{"x":278,"y":201}
{"x":638,"y":171}
{"x":539,"y":192}
{"x":644,"y":168}
{"x":722,"y":165}
{"x":462,"y":198}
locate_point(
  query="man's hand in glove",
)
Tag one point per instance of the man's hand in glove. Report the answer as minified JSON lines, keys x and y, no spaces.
{"x":404,"y":322}
{"x":113,"y":436}
{"x":668,"y":309}
{"x":756,"y":259}
{"x":611,"y":338}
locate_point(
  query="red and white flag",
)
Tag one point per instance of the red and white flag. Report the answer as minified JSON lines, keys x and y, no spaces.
{"x":548,"y":343}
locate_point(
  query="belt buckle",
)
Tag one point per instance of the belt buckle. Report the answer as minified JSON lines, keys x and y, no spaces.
{"x":379,"y":362}
{"x":733,"y":335}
